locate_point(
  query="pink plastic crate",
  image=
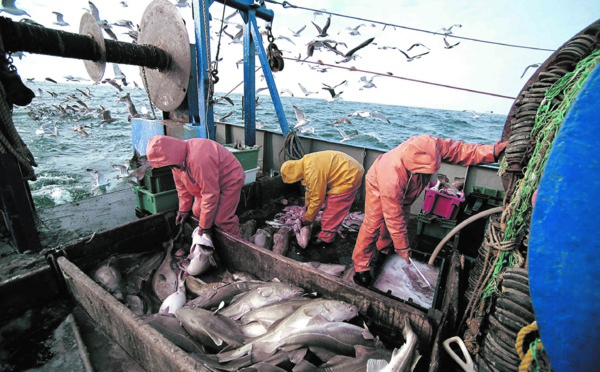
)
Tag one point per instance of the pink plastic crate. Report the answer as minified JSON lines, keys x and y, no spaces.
{"x":440,"y":204}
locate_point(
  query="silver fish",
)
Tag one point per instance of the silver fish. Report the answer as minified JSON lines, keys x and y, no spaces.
{"x":281,"y":241}
{"x":111,"y":279}
{"x":338,"y":337}
{"x":331,"y":269}
{"x":136,"y":277}
{"x":215,"y":293}
{"x":135,"y":304}
{"x":173,"y":331}
{"x":357,"y":363}
{"x":175,"y":300}
{"x":211,"y":330}
{"x":267,"y":315}
{"x":403,"y":359}
{"x":260,"y":296}
{"x":319,"y":311}
{"x":164,"y":281}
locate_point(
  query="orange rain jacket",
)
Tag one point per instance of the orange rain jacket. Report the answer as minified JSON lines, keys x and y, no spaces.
{"x":397,"y":178}
{"x":210,"y":172}
{"x":323,"y":173}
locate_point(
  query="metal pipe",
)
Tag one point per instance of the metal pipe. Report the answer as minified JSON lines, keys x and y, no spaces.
{"x":246,"y":5}
{"x":21,"y":37}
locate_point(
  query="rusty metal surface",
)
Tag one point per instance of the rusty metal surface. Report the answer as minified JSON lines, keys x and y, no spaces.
{"x":90,"y":27}
{"x":163,"y":27}
{"x":142,"y":342}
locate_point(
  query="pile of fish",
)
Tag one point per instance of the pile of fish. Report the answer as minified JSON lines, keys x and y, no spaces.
{"x":277,"y":234}
{"x":239,"y":323}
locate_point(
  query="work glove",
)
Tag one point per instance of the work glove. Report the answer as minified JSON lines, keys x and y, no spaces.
{"x":499,"y":148}
{"x":201,"y":236}
{"x":181,"y":216}
{"x":405,"y":253}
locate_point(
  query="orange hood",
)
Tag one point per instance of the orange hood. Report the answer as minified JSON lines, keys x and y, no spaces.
{"x":164,"y":150}
{"x":420,"y":154}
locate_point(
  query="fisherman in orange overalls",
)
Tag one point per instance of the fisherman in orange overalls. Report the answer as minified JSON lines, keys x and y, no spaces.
{"x":208,"y":178}
{"x":394,"y":182}
{"x":332,"y":178}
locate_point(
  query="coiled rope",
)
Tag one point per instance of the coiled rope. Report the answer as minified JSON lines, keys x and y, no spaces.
{"x":11,"y":142}
{"x":548,"y":121}
{"x":292,"y":148}
{"x":531,"y":360}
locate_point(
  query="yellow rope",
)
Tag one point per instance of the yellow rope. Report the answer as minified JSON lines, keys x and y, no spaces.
{"x":521,"y":336}
{"x":529,"y":358}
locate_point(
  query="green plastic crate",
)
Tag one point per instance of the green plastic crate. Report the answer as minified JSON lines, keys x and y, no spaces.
{"x":437,"y":227}
{"x":156,"y":180}
{"x":155,"y":202}
{"x":248,"y":158}
{"x":493,"y":197}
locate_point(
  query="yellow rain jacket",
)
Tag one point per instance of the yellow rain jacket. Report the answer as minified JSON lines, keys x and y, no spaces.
{"x":323,"y":173}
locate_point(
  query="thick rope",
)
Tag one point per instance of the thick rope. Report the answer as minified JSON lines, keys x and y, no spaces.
{"x":521,"y":337}
{"x":292,"y":148}
{"x":530,"y":361}
{"x":13,"y":144}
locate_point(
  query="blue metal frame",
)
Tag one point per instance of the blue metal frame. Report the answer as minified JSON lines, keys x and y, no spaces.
{"x":249,"y":11}
{"x":564,"y":248}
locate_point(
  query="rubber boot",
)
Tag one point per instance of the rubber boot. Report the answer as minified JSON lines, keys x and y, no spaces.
{"x":363,"y":278}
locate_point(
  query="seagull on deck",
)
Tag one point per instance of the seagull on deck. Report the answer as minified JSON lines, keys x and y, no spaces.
{"x":535,"y":65}
{"x":323,"y":31}
{"x":302,"y":120}
{"x":306,"y":92}
{"x":60,"y":20}
{"x":8,"y":6}
{"x":297,"y":33}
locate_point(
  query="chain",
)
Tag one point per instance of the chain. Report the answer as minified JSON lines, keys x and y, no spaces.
{"x":148,"y":92}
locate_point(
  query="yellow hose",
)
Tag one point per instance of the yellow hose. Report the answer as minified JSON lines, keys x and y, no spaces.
{"x":460,"y":227}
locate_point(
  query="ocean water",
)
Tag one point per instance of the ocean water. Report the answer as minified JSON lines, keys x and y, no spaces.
{"x":63,"y":160}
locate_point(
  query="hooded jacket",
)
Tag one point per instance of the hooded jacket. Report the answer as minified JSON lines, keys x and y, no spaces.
{"x":323,"y":173}
{"x":401,"y":174}
{"x":207,"y":168}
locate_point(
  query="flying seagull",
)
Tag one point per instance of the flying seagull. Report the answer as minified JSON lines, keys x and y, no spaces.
{"x":535,"y":65}
{"x":343,"y":119}
{"x":345,"y":137}
{"x":411,"y":58}
{"x":99,"y":180}
{"x":302,"y":121}
{"x":8,"y":6}
{"x":297,"y":33}
{"x":59,"y":19}
{"x":350,"y":54}
{"x":447,"y":31}
{"x":306,"y":92}
{"x":323,"y":31}
{"x":368,"y":83}
{"x":448,"y":46}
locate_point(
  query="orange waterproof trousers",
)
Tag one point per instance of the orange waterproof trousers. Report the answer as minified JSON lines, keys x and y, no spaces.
{"x":225,"y":218}
{"x":373,"y":232}
{"x":335,"y":210}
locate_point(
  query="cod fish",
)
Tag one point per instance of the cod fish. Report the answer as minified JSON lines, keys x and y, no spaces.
{"x":215,"y":293}
{"x":356,"y":364}
{"x":259,"y":296}
{"x":338,"y":337}
{"x":173,"y":331}
{"x":267,"y":315}
{"x":281,"y":241}
{"x":263,"y":239}
{"x":314,"y":312}
{"x":201,"y":259}
{"x":211,"y":330}
{"x":164,"y":281}
{"x":176,"y":300}
{"x":135,"y":304}
{"x":403,"y":359}
{"x":142,"y":273}
{"x":110,"y":279}
{"x":331,"y":269}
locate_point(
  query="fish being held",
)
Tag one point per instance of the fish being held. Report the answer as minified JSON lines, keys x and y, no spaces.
{"x":201,"y":253}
